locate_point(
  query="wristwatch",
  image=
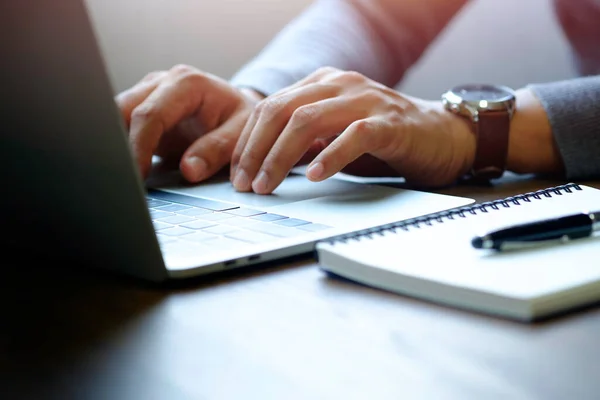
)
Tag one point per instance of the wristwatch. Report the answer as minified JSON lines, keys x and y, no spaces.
{"x":489,"y":108}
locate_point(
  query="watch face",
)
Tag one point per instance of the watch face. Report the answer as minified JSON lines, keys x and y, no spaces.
{"x":490,"y":93}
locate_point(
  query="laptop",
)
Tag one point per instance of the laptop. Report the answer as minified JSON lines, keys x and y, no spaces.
{"x":73,"y":192}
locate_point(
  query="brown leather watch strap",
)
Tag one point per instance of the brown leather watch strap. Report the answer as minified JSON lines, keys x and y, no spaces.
{"x":492,"y":144}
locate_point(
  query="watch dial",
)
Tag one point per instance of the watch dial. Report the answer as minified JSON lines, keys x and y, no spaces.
{"x":474,"y":93}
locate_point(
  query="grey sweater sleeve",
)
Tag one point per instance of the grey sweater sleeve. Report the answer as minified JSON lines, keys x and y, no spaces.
{"x":573,"y":108}
{"x":379,"y":38}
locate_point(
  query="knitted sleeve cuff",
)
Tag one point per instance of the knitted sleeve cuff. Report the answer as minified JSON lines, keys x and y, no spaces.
{"x":573,"y":109}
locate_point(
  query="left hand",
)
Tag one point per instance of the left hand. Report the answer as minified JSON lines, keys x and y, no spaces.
{"x":336,"y":119}
{"x":186,"y":116}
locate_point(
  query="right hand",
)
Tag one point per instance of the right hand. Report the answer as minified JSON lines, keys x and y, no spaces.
{"x":186,"y":116}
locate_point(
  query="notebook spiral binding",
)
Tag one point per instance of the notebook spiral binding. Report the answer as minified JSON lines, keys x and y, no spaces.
{"x":456,"y":213}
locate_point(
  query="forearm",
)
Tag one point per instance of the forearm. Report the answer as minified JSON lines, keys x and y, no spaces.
{"x":379,"y":38}
{"x":556,"y":129}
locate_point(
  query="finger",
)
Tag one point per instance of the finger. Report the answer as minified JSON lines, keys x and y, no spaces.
{"x":173,"y":100}
{"x":317,"y":76}
{"x":243,"y":139}
{"x":211,"y":152}
{"x":129,"y":99}
{"x":320,"y":120}
{"x":241,"y":143}
{"x":361,"y":137}
{"x":261,"y":133}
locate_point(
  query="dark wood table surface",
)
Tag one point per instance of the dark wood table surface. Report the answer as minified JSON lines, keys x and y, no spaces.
{"x":282,"y":331}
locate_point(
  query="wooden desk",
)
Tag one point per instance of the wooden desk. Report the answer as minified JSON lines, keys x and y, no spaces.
{"x":282,"y":332}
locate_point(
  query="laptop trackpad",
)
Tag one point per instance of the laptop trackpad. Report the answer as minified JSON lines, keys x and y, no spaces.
{"x":369,"y":206}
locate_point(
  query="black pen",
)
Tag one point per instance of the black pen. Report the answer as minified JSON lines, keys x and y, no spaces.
{"x":561,"y":229}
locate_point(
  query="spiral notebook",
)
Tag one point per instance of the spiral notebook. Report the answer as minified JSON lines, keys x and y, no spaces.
{"x":431,"y":257}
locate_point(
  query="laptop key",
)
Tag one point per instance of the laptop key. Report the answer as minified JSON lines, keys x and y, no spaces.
{"x":268,"y":217}
{"x":156,"y":203}
{"x":155,"y":214}
{"x":313,"y":227}
{"x":244,"y":212}
{"x":275,"y":230}
{"x":176,"y":231}
{"x":200,"y":237}
{"x":163,"y":239}
{"x":250,"y":236}
{"x":220,"y":229}
{"x":175,"y":219}
{"x":216,"y":216}
{"x":173,"y":207}
{"x":198,"y":224}
{"x":291,"y":222}
{"x":240,"y":222}
{"x":160,"y":225}
{"x":194,"y":211}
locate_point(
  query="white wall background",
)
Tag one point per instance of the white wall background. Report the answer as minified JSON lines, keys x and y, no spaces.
{"x":512,"y":42}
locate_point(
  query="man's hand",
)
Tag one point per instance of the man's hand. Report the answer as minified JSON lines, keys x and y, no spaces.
{"x":349,"y":118}
{"x":187,"y":116}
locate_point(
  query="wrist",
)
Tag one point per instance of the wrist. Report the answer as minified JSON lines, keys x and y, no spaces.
{"x":531,"y":146}
{"x":462,"y":133}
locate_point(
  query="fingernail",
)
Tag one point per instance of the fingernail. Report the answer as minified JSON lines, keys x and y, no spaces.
{"x":197,"y":166}
{"x":241,"y":181}
{"x":260,"y":183}
{"x":315,"y":171}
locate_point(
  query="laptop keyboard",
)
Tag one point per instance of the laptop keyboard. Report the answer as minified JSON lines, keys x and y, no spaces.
{"x":185,"y":224}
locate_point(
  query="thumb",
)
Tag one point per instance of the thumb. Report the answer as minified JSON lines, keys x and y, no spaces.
{"x":211,"y":152}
